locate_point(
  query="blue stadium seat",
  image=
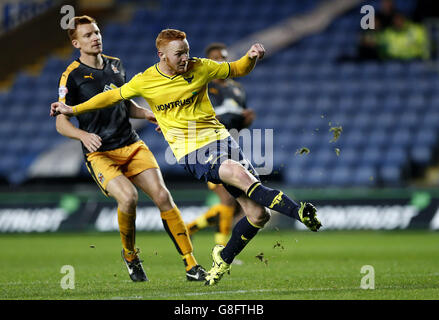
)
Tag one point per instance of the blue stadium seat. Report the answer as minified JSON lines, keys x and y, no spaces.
{"x":363,"y":120}
{"x":317,"y":176}
{"x":325,"y":157}
{"x":8,"y":163}
{"x":349,"y":156}
{"x":341,"y":176}
{"x":7,"y":130}
{"x":365,"y":176}
{"x":396,"y":155}
{"x":421,"y":155}
{"x":17,"y":146}
{"x":295,"y":176}
{"x":430,"y":119}
{"x":409,"y":119}
{"x":372,"y":156}
{"x":390,"y":175}
{"x":401,"y":137}
{"x":356,"y":138}
{"x":388,"y":110}
{"x":426,"y":136}
{"x":385,"y":121}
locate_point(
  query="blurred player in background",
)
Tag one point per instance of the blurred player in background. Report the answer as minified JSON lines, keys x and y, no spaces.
{"x":229,"y":101}
{"x":176,"y":90}
{"x":115,"y":156}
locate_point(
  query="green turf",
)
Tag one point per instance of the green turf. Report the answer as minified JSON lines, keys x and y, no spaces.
{"x":295,"y":265}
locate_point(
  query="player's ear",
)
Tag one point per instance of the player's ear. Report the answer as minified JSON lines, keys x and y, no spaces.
{"x":75,"y":43}
{"x":161,"y":55}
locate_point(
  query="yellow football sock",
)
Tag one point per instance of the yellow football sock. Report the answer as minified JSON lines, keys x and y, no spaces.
{"x":127,"y":229}
{"x":177,"y":231}
{"x":226,"y":218}
{"x":205,"y":220}
{"x":225,"y":223}
{"x":221,"y":238}
{"x":189,"y":261}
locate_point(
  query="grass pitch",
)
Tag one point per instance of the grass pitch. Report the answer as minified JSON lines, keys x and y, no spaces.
{"x":280,"y":265}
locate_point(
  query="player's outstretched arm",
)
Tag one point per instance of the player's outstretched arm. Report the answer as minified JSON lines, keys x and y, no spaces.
{"x":138,"y":112}
{"x":246,"y":64}
{"x":99,"y":101}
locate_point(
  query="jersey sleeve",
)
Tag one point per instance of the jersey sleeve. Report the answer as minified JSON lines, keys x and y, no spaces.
{"x":67,"y":90}
{"x":122,"y":71}
{"x":216,"y":70}
{"x":131,"y":89}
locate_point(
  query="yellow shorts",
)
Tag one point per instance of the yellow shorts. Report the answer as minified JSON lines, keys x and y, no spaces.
{"x":128,"y":161}
{"x":212,"y":186}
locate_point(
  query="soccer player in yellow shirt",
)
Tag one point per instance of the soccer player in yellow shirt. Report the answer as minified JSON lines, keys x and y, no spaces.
{"x":229,"y":101}
{"x":176,"y":90}
{"x":114,"y":154}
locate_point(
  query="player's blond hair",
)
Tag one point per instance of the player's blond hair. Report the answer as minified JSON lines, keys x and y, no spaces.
{"x":167,"y":35}
{"x":75,"y":22}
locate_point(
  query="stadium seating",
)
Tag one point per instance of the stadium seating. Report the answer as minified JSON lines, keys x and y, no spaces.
{"x":386,"y":109}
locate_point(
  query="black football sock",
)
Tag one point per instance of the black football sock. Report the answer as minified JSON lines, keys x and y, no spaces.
{"x":242,"y":233}
{"x":273,"y":199}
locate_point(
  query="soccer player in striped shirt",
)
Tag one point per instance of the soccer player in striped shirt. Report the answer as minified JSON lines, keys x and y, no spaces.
{"x":176,"y":90}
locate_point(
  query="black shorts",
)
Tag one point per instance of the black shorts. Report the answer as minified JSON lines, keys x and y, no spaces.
{"x":204,"y":163}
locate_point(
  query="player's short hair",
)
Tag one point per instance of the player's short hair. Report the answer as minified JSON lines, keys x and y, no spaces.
{"x":75,"y":22}
{"x":214,"y":46}
{"x":167,"y":35}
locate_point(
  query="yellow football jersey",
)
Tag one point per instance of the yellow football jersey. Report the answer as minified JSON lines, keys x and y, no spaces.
{"x":181,"y":103}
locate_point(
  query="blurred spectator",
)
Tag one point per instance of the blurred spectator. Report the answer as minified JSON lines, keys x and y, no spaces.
{"x":369,"y":46}
{"x":404,"y":40}
{"x":394,"y":36}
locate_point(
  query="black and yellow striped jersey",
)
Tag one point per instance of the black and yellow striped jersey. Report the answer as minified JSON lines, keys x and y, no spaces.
{"x":80,"y":82}
{"x":228,"y":98}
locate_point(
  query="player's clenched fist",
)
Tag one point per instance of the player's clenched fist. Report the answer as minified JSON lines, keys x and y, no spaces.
{"x":256,"y":51}
{"x":57,"y":108}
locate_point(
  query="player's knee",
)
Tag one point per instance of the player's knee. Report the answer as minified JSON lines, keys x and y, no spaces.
{"x":262,"y":216}
{"x":226,"y":170}
{"x":233,"y":171}
{"x":162,"y":197}
{"x":128,"y":199}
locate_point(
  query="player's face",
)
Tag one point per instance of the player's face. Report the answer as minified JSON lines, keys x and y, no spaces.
{"x":88,"y":39}
{"x":219,"y":55}
{"x":176,"y":55}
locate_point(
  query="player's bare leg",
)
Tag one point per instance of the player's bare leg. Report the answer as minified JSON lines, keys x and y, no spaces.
{"x":151,"y":182}
{"x":126,"y":196}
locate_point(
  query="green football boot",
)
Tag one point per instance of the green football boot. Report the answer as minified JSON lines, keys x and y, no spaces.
{"x":308,"y":216}
{"x":219,"y":267}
